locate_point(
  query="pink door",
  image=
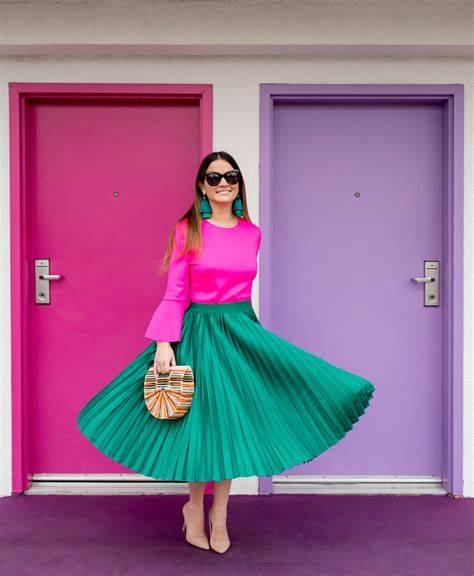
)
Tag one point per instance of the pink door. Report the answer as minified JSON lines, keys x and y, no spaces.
{"x":108,"y":178}
{"x":357,"y":204}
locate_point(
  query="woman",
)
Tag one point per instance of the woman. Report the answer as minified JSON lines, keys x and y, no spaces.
{"x":261,"y":404}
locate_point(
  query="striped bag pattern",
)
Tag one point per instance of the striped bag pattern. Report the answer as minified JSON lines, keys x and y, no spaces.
{"x":169,"y":396}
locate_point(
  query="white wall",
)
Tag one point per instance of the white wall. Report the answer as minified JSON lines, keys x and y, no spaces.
{"x":236,"y":100}
{"x":423,"y":23}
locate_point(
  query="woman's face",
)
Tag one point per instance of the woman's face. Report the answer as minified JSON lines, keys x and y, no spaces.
{"x":223,"y":192}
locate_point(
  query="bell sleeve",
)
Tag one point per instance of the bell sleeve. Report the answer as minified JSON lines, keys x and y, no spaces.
{"x":165,"y":324}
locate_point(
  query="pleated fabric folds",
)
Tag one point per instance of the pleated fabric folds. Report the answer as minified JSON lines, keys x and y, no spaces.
{"x":261,"y":404}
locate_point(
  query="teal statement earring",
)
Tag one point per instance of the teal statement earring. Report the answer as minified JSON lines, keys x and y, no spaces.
{"x":205,"y":207}
{"x":237,"y":206}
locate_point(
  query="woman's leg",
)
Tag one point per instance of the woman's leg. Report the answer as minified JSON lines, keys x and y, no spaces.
{"x":195,"y":511}
{"x":196,"y":495}
{"x":218,"y":510}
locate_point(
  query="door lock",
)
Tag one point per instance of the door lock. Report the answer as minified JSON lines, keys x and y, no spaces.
{"x":42,"y":279}
{"x":430,"y":281}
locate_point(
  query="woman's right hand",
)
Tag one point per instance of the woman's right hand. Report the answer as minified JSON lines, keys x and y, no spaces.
{"x":164,"y":358}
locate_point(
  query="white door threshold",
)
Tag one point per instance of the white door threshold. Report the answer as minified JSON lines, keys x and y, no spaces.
{"x":103,"y":484}
{"x":308,"y":484}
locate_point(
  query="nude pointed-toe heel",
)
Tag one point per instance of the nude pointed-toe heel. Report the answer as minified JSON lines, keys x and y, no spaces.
{"x":202,"y":543}
{"x":218,"y":545}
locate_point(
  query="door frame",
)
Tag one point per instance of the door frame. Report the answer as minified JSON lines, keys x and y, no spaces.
{"x":451,"y":96}
{"x":21,"y":95}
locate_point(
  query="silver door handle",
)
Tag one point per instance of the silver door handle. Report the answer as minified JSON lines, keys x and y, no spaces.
{"x":42,"y":278}
{"x":430,"y":282}
{"x":49,"y":276}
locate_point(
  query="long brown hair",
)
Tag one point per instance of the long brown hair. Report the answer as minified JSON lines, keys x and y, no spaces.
{"x":193,"y":215}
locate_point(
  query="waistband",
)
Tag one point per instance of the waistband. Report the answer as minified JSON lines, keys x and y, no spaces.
{"x":220,"y":307}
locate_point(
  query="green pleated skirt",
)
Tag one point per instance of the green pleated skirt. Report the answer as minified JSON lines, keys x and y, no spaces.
{"x":261,"y":405}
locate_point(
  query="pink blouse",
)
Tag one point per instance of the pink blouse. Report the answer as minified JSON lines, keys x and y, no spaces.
{"x":224,"y":273}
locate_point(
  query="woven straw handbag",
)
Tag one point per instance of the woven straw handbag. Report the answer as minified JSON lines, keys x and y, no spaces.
{"x":168,"y":397}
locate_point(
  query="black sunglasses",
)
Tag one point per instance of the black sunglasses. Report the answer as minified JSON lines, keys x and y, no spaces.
{"x":214,"y":178}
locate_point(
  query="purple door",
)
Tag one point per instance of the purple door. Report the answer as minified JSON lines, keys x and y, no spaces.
{"x":356,"y":210}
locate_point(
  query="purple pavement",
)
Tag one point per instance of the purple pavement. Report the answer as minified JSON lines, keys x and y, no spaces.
{"x":276,"y":535}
